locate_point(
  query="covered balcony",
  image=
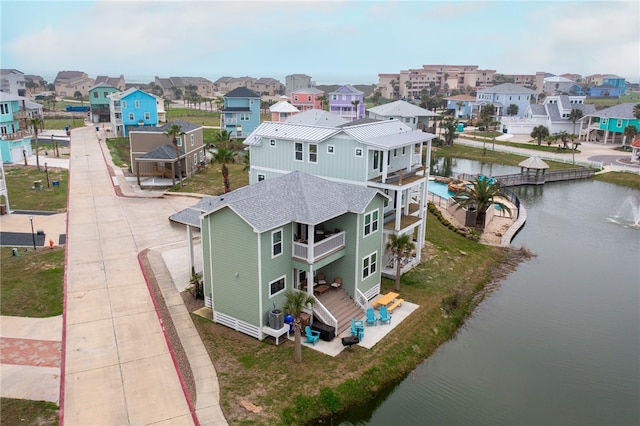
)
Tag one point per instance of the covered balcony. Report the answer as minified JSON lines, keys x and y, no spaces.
{"x":321,"y":245}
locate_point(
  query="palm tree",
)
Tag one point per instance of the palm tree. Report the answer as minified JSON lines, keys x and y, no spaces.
{"x":450,"y":124}
{"x":35,"y":122}
{"x":636,"y":111}
{"x":78,"y":96}
{"x":408,"y":85}
{"x":482,"y":195}
{"x":512,"y":109}
{"x":224,"y":156}
{"x":355,"y":108}
{"x":630,"y":132}
{"x":539,"y":133}
{"x":294,"y":302}
{"x":564,"y":137}
{"x":322,"y":100}
{"x":246,"y":160}
{"x":375,"y":98}
{"x":401,"y":247}
{"x":174,"y":132}
{"x":222,"y":139}
{"x":575,"y":115}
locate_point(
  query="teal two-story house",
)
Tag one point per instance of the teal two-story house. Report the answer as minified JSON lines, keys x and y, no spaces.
{"x":240,"y":113}
{"x":285,"y":233}
{"x":15,"y":131}
{"x":132,"y":108}
{"x":607,"y":125}
{"x":99,"y":99}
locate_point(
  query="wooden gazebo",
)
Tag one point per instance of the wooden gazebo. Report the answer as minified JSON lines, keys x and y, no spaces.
{"x":533,"y":163}
{"x":155,"y":162}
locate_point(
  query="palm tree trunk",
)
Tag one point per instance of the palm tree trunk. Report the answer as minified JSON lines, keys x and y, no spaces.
{"x":298,"y":341}
{"x":225,"y":177}
{"x":398,"y":273}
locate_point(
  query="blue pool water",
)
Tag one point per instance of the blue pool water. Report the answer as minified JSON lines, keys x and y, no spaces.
{"x":440,"y":189}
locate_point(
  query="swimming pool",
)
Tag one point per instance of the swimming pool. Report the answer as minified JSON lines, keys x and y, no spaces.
{"x":440,"y":189}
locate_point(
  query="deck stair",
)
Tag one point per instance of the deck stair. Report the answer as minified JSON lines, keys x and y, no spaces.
{"x":342,"y":307}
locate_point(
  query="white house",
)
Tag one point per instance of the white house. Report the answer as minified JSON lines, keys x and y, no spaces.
{"x":503,"y":95}
{"x":412,"y":115}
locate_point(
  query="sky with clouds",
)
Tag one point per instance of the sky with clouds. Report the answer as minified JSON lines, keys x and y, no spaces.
{"x":332,"y":41}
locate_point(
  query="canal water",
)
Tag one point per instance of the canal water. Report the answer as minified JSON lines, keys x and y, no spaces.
{"x":558,"y":342}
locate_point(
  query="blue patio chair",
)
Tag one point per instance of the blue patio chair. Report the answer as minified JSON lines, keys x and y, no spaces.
{"x":384,"y":315}
{"x":312,"y":335}
{"x":357,"y":329}
{"x":371,"y":317}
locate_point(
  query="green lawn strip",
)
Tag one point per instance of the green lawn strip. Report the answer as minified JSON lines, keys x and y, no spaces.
{"x":20,"y":180}
{"x":195,"y":116}
{"x":61,"y":123}
{"x":120,"y":151}
{"x":32,"y":282}
{"x":261,"y":372}
{"x":209,"y":180}
{"x":631,"y":180}
{"x":26,"y":412}
{"x":488,"y":156}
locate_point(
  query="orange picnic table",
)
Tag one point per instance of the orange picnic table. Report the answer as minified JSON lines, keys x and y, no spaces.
{"x":385,"y":299}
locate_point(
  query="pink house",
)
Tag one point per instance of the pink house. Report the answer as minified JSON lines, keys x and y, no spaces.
{"x":281,"y":110}
{"x":305,"y":99}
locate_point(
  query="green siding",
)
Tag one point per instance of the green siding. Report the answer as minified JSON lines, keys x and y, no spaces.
{"x":369,"y":244}
{"x":274,"y":268}
{"x":234,"y":251}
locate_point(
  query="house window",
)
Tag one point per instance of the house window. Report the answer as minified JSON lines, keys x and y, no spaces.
{"x":147,"y":116}
{"x":124,"y":104}
{"x":298,"y":151}
{"x":358,"y":152}
{"x":395,"y":153}
{"x":244,"y":117}
{"x":309,"y":98}
{"x":261,"y":177}
{"x":272,"y":142}
{"x":330,"y":149}
{"x":137,"y":104}
{"x":193,"y":140}
{"x":604,"y":121}
{"x":277,"y":286}
{"x":95,"y":95}
{"x":276,"y":243}
{"x":251,"y":102}
{"x":370,"y":222}
{"x":313,"y":153}
{"x":369,"y":265}
{"x":179,"y":141}
{"x":295,"y":98}
{"x":131,"y":116}
{"x":619,"y":124}
{"x":376,"y":159}
{"x":105,"y":94}
{"x":4,"y":108}
{"x":404,"y":150}
{"x":334,"y":97}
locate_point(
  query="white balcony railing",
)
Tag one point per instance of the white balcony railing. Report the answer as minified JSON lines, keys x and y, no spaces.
{"x":320,"y":249}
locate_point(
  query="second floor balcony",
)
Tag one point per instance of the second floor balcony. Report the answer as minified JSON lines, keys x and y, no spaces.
{"x":20,"y":134}
{"x":322,"y":245}
{"x":20,"y":115}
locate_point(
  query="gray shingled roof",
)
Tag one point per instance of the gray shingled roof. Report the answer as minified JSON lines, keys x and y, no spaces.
{"x":185,"y":126}
{"x":295,"y":197}
{"x":538,"y":109}
{"x":554,"y":112}
{"x":164,"y":152}
{"x":242,"y":92}
{"x":187,"y":216}
{"x":618,"y":111}
{"x":402,"y":109}
{"x":507,"y":88}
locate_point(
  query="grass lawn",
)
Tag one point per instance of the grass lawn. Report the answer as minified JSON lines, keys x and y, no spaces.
{"x":31,"y":283}
{"x":25,"y":412}
{"x":195,"y":116}
{"x":20,"y":180}
{"x":489,"y":156}
{"x":209,"y":180}
{"x":602,"y":103}
{"x":631,"y":180}
{"x":120,"y":151}
{"x":456,"y":269}
{"x":61,"y":123}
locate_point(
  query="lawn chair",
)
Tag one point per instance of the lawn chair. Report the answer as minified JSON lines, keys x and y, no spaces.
{"x":321,"y":279}
{"x":312,"y":335}
{"x":357,"y":329}
{"x":337,"y":283}
{"x":384,"y":315}
{"x":371,"y":317}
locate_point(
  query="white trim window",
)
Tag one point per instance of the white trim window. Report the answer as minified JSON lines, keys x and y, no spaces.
{"x":244,"y":117}
{"x":277,"y":286}
{"x":358,"y":152}
{"x":193,"y":139}
{"x":370,"y":223}
{"x":369,"y":265}
{"x":124,"y":104}
{"x":147,"y":116}
{"x":298,"y":151}
{"x":136,"y":104}
{"x":276,"y":243}
{"x":131,"y":116}
{"x":313,"y":153}
{"x":179,"y":140}
{"x":331,"y":149}
{"x":272,"y":143}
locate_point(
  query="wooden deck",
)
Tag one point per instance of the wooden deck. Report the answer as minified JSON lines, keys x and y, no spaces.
{"x":539,"y":179}
{"x":341,"y":306}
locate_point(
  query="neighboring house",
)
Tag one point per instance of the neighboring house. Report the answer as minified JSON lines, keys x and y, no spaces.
{"x":608,"y":124}
{"x":153,"y":152}
{"x":413,"y":116}
{"x":184,"y":87}
{"x":557,"y":84}
{"x":15,"y":130}
{"x":347,"y":102}
{"x":132,"y":108}
{"x":309,"y":98}
{"x":635,"y":154}
{"x":462,"y":105}
{"x":604,"y":91}
{"x":384,"y":155}
{"x":240,"y":113}
{"x":295,"y":82}
{"x":117,"y":82}
{"x":99,"y":100}
{"x":34,"y":83}
{"x":268,"y":86}
{"x":281,"y":234}
{"x":67,"y":83}
{"x":616,"y":81}
{"x":553,"y":113}
{"x":282,"y":110}
{"x":503,"y":95}
{"x":12,"y":81}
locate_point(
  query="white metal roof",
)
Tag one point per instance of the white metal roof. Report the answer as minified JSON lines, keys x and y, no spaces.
{"x":402,"y":109}
{"x":289,"y":131}
{"x":283,"y":106}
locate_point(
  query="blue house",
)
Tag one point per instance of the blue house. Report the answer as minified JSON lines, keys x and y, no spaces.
{"x":503,"y":95}
{"x":462,"y":105}
{"x":132,"y":108}
{"x":15,"y":132}
{"x":604,"y":91}
{"x":615,"y":81}
{"x":241,"y":112}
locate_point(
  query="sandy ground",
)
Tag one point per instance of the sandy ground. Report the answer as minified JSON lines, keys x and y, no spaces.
{"x":493,"y":233}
